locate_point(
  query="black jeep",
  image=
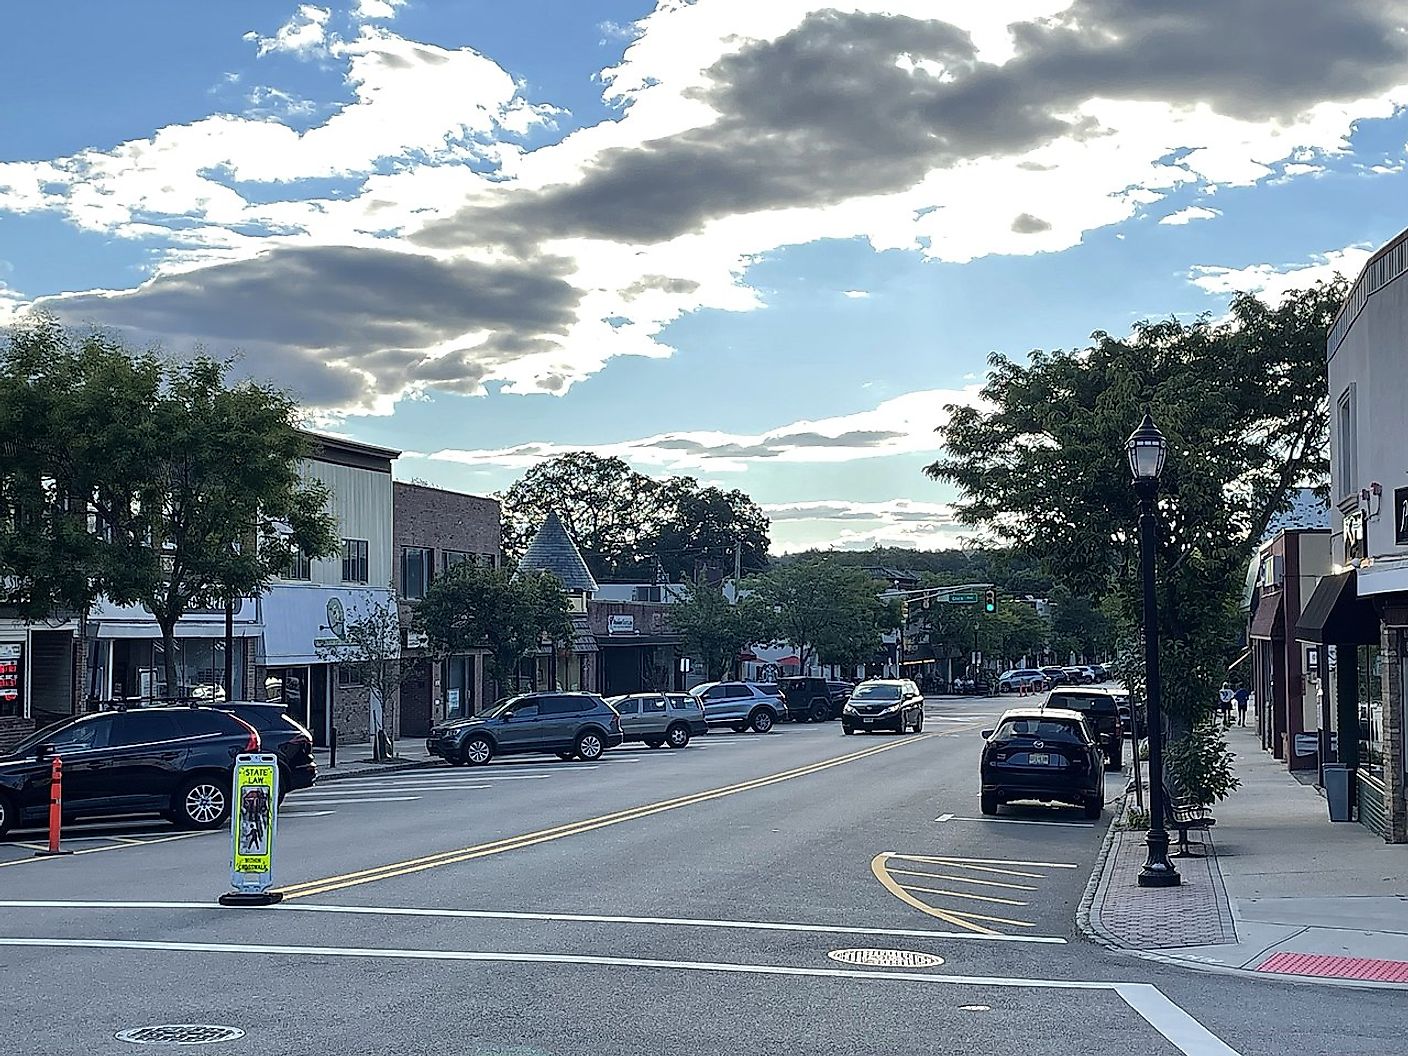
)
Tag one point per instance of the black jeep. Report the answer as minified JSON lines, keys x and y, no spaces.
{"x":809,"y":699}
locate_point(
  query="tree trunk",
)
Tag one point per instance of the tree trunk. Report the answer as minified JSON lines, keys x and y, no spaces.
{"x":168,"y":645}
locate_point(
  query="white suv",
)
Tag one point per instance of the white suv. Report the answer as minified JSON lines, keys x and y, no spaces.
{"x":740,"y":705}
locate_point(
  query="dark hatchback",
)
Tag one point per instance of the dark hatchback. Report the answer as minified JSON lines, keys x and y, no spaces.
{"x":281,"y":734}
{"x":809,"y":699}
{"x":173,"y":761}
{"x":1101,"y":710}
{"x":570,"y":725}
{"x":1042,"y":754}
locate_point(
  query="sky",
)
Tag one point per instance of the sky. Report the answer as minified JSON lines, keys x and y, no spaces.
{"x":764,"y":244}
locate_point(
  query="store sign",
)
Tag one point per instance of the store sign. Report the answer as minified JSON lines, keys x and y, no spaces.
{"x":253,"y":821}
{"x":1355,"y":547}
{"x":11,"y":676}
{"x":620,"y":625}
{"x":1400,"y":516}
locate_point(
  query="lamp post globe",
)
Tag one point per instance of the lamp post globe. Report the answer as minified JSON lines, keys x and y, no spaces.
{"x":1146,"y":449}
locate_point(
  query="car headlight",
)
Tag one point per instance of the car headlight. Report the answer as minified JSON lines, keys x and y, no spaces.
{"x":849,"y":709}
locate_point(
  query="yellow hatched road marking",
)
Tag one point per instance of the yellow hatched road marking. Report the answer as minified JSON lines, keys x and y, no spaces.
{"x":877,"y":866}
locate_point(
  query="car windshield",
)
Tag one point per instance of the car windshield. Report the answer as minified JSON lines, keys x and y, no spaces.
{"x":1041,"y":729}
{"x":876,"y":692}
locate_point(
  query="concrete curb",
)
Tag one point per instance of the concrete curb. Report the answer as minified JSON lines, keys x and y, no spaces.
{"x":1088,"y":923}
{"x":325,"y":776}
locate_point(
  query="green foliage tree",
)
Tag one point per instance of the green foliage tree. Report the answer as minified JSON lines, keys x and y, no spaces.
{"x":702,"y":527}
{"x":714,"y":629}
{"x":370,"y":651}
{"x":187,"y":483}
{"x":1243,"y":403}
{"x":822,"y":609}
{"x":509,"y":614}
{"x":1079,"y":628}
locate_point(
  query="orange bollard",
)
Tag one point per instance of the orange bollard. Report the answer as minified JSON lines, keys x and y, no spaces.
{"x":56,"y":809}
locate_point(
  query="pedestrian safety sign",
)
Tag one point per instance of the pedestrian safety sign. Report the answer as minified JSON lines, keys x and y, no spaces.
{"x":254,"y":822}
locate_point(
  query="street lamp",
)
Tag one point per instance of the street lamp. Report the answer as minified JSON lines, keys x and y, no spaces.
{"x":1146,"y":450}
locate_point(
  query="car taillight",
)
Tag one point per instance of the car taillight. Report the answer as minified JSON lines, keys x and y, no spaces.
{"x":253,"y":743}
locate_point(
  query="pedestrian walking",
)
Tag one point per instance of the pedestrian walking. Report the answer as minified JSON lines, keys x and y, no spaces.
{"x":1224,"y":703}
{"x":1241,"y":697}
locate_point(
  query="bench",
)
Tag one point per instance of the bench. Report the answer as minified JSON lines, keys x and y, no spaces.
{"x":1184,"y":814}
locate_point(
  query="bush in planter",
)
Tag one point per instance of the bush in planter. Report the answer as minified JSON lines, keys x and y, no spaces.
{"x":1201,"y":764}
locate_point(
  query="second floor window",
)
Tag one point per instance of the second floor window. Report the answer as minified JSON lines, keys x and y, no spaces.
{"x":354,"y":561}
{"x":299,"y":567}
{"x":415,"y":571}
{"x":1348,"y":428}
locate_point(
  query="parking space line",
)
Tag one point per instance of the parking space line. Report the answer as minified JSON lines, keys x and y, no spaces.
{"x":963,"y":879}
{"x":994,"y":920}
{"x":1023,"y":821}
{"x":947,"y":860}
{"x":975,"y":868}
{"x":307,"y":793}
{"x":959,"y":894}
{"x":437,"y":775}
{"x":355,"y":800}
{"x":114,"y":847}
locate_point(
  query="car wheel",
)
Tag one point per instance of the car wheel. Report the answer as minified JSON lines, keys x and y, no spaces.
{"x":590,"y":746}
{"x":1004,"y":687}
{"x":677,"y":736}
{"x":477,"y":751}
{"x":820,"y":711}
{"x":9,"y":815}
{"x":760,"y":720}
{"x":202,"y":803}
{"x":987,"y":803}
{"x":919,"y":723}
{"x":1094,"y":807}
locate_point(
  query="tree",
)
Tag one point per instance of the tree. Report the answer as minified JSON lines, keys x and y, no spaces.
{"x":510,"y":615}
{"x":714,"y":629}
{"x":188,"y":485}
{"x":1040,"y":463}
{"x":706,"y":531}
{"x":1079,"y":628}
{"x":369,"y":649}
{"x":821,"y":609}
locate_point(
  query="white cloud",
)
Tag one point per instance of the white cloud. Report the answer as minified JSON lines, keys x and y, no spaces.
{"x":848,"y":525}
{"x":1191,"y":213}
{"x":856,"y":295}
{"x":903,"y":425}
{"x":304,"y":35}
{"x":1273,"y":282}
{"x":369,"y":9}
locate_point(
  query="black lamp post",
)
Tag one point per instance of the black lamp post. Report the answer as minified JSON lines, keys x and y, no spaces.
{"x":1146,"y":450}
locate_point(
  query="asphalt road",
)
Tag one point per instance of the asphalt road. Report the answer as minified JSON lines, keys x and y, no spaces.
{"x":659,"y":902}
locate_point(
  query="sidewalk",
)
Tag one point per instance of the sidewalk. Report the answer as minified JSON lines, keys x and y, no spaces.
{"x":355,"y":760}
{"x":1281,"y":891}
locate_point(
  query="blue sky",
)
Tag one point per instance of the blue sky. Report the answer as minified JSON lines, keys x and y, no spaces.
{"x":761,"y":244}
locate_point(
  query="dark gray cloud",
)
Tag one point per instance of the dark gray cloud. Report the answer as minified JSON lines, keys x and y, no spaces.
{"x":772,"y":447}
{"x":828,"y":112}
{"x":1026,"y":224}
{"x":848,"y":511}
{"x":659,"y":283}
{"x":312,"y":318}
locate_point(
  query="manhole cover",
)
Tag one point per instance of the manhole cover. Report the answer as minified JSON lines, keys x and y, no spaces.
{"x":887,"y":958}
{"x":179,"y":1034}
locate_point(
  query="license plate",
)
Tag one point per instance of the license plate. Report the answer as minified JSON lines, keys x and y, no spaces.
{"x":1039,"y":758}
{"x":867,"y":721}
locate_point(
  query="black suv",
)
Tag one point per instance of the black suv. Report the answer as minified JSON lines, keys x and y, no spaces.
{"x":281,"y":734}
{"x":809,"y":699}
{"x":1045,"y":754}
{"x":173,"y":761}
{"x":572,"y":725}
{"x":1101,"y":710}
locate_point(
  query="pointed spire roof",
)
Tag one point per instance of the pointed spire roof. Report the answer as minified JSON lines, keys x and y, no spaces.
{"x":552,"y":550}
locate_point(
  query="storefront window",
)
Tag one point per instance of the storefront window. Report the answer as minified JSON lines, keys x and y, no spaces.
{"x":200,"y":669}
{"x":1371,"y":710}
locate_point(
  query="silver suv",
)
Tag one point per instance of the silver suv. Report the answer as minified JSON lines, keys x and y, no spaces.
{"x":659,"y":718}
{"x":740,"y":705}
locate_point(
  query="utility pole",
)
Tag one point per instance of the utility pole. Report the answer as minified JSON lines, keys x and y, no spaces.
{"x":737,"y":562}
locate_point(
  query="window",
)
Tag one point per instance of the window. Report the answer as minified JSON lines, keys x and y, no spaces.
{"x":682,"y":702}
{"x":416,"y":563}
{"x":138,"y":727}
{"x":489,"y":560}
{"x":354,"y":561}
{"x":1346,"y":431}
{"x":88,"y":733}
{"x":299,"y":567}
{"x":450,"y":558}
{"x":528,"y":710}
{"x":628,"y":706}
{"x":645,"y":594}
{"x":347,"y":675}
{"x":652,"y":705}
{"x":565,"y":705}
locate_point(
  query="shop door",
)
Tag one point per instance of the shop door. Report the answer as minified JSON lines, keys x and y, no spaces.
{"x":318,"y":692}
{"x":415,"y":700}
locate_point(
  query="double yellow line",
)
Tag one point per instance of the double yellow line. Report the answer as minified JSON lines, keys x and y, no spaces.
{"x":514,"y":843}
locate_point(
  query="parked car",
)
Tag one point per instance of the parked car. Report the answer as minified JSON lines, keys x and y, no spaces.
{"x":1056,"y":676}
{"x":740,"y":705}
{"x":1079,"y":676}
{"x":174,"y":761}
{"x":1101,"y":711}
{"x":840,"y":693}
{"x":1101,"y":672}
{"x":1128,"y":713}
{"x":1021,"y":678}
{"x":659,"y":718}
{"x":571,"y":725}
{"x":1045,"y":754}
{"x":809,"y":699}
{"x":281,"y":734}
{"x":884,"y":704}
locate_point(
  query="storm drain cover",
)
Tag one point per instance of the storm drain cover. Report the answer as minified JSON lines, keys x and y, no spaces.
{"x":886,"y":958}
{"x":179,"y":1034}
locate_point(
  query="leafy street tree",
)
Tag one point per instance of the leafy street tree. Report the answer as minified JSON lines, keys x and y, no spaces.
{"x":370,"y":651}
{"x":187,"y":484}
{"x":822,"y":610}
{"x":714,"y":630}
{"x":1243,"y":403}
{"x":472,"y":607}
{"x":1079,"y":628}
{"x":629,"y":525}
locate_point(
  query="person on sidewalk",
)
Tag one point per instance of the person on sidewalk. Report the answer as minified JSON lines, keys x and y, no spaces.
{"x":1241,"y":698}
{"x":1224,"y":703}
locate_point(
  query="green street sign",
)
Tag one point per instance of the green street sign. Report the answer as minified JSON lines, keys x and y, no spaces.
{"x":961,"y":599}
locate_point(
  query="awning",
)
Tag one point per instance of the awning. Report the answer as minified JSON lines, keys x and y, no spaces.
{"x":1240,"y":660}
{"x":1269,"y":621}
{"x":298,"y":619}
{"x":611,"y":642}
{"x":1337,"y":615}
{"x":143,"y":629}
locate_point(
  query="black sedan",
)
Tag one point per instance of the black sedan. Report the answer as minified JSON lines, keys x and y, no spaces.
{"x":884,"y":704}
{"x":1046,"y":755}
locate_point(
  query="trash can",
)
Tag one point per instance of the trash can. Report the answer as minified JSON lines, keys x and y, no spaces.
{"x":1339,"y":779}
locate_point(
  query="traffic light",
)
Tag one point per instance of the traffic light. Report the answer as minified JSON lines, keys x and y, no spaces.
{"x":990,"y":601}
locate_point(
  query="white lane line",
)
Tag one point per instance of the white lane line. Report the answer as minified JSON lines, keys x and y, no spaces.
{"x":434,"y":776}
{"x":1181,"y":1030}
{"x":302,"y":797}
{"x":1023,"y":821}
{"x":962,"y":879}
{"x":944,"y":817}
{"x":305,"y":814}
{"x":112,"y":847}
{"x":981,"y":861}
{"x":569,"y":918}
{"x":959,"y":894}
{"x":360,"y":799}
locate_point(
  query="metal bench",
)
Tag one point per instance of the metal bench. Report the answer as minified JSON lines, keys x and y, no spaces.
{"x":1184,"y":814}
